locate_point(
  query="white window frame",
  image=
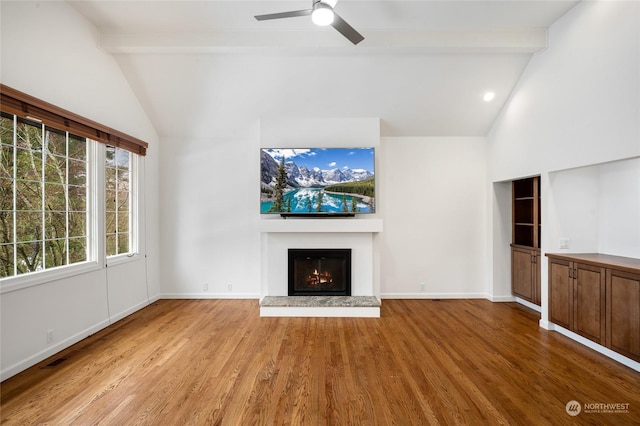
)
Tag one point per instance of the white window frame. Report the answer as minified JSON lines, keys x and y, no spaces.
{"x":17,"y":282}
{"x":96,"y":226}
{"x":134,"y":209}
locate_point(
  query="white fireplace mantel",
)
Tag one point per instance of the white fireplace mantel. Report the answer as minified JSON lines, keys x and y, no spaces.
{"x":279,"y":234}
{"x":321,"y":225}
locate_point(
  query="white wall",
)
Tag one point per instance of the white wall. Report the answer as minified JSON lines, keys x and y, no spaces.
{"x":431,"y":196}
{"x":498,"y":241}
{"x":210,"y":202}
{"x":574,"y":119}
{"x":49,"y":52}
{"x":209,"y":224}
{"x":597,"y":208}
{"x":619,"y":225}
{"x":572,"y":202}
{"x":434,"y":209}
{"x":577,"y":103}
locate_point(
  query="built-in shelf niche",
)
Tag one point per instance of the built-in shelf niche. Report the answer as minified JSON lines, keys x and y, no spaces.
{"x":526,"y":212}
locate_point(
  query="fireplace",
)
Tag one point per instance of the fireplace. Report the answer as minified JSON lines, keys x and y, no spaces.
{"x":319,"y":272}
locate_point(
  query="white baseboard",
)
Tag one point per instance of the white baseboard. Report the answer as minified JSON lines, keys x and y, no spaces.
{"x":433,"y":296}
{"x":528,"y":304}
{"x":501,"y":299}
{"x":16,"y":368}
{"x":64,"y":344}
{"x":120,"y":315}
{"x":596,"y":347}
{"x":209,"y":296}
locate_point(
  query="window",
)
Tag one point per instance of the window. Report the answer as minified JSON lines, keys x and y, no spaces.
{"x":52,"y":188}
{"x":119,"y":205}
{"x":44,"y":213}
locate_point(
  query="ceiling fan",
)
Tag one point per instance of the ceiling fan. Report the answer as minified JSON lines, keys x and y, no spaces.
{"x":322,"y":14}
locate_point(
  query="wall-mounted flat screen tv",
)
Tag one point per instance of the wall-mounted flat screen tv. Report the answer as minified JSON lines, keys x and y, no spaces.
{"x":317,"y":181}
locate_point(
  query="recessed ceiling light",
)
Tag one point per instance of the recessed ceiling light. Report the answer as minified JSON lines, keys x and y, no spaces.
{"x":488,"y":96}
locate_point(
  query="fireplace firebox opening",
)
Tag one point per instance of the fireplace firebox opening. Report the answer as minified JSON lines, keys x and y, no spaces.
{"x":319,"y":272}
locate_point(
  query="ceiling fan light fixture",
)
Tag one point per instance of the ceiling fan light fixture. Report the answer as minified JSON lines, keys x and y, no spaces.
{"x":322,"y":14}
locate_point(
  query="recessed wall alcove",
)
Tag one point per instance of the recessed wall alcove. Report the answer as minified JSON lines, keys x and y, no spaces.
{"x":279,"y":235}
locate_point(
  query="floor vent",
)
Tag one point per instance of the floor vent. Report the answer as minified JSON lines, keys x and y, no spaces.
{"x":55,"y":362}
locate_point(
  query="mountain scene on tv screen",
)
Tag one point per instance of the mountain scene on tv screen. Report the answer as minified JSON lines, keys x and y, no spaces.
{"x":331,"y":180}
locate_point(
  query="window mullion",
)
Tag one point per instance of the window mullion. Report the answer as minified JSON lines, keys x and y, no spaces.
{"x":15,"y":195}
{"x":117,"y":204}
{"x":66,"y":199}
{"x":96,"y":188}
{"x":43,"y":158}
{"x":132,"y":181}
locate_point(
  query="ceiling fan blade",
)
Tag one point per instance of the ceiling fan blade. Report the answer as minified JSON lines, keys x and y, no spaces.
{"x":291,"y":14}
{"x":346,"y":30}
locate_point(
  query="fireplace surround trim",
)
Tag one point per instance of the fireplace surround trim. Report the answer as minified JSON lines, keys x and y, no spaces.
{"x":279,"y":225}
{"x":278,"y":235}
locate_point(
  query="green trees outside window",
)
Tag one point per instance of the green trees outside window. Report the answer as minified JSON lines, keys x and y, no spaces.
{"x":118,"y":200}
{"x":43,"y":197}
{"x":45,"y":210}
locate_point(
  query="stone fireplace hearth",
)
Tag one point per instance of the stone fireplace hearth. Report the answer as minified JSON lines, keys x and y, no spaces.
{"x":321,"y":306}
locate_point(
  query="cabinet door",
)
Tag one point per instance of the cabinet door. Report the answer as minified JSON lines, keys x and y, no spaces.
{"x":560,"y":293}
{"x":537,"y":287}
{"x":522,"y":269}
{"x":589,"y":302}
{"x":623,"y":313}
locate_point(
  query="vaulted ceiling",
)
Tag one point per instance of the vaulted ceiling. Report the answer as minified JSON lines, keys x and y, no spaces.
{"x":208,"y":68}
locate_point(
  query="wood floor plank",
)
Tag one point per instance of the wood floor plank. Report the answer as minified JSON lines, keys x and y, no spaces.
{"x":197,"y":362}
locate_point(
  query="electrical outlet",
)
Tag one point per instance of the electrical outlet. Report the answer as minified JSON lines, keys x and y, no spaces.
{"x":564,"y":243}
{"x":50,"y":336}
{"x":205,"y":287}
{"x":421,"y":287}
{"x":229,"y":287}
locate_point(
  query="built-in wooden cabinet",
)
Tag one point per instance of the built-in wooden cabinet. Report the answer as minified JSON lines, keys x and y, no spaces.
{"x":525,"y":247}
{"x":525,"y":273}
{"x":598,"y":297}
{"x":577,"y":298}
{"x":623,"y":312}
{"x":561,"y":292}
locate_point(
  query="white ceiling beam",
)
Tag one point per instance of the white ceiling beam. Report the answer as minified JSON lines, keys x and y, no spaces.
{"x":503,"y":41}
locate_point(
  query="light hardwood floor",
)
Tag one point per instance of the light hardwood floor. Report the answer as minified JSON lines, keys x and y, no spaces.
{"x":191,"y":362}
